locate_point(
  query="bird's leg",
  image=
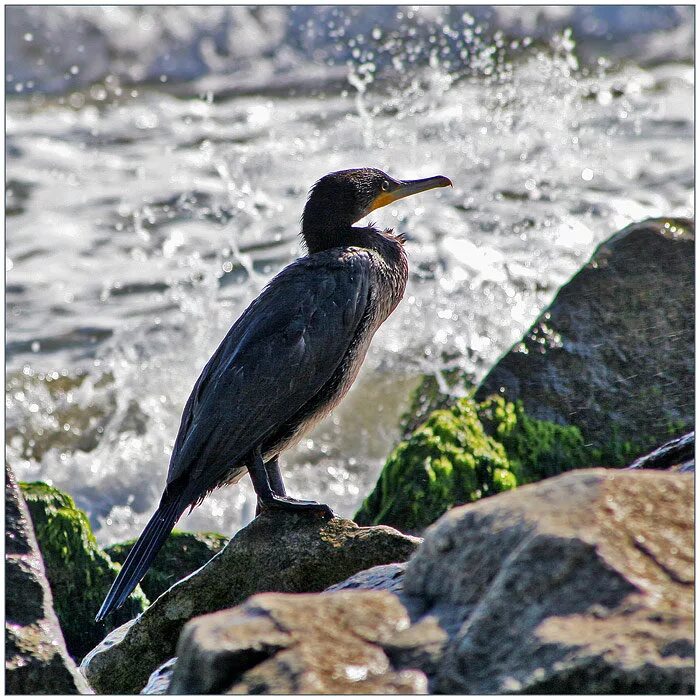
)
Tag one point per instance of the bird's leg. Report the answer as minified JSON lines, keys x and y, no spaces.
{"x":274,"y":478}
{"x":267,"y":498}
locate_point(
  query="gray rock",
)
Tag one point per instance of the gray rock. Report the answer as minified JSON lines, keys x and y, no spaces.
{"x":420,"y":646}
{"x":677,"y":455}
{"x":614,"y":352}
{"x":160,"y":679}
{"x":582,"y":583}
{"x":388,"y":577}
{"x":296,"y":644}
{"x":279,"y":552}
{"x":36,"y":659}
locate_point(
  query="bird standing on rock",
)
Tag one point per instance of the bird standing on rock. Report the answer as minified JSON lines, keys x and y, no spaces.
{"x":287,"y":361}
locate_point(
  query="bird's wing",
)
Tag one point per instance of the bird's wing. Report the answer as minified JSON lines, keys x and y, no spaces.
{"x":275,"y":358}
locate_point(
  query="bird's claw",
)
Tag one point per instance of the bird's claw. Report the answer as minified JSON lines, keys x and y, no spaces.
{"x":293,"y":504}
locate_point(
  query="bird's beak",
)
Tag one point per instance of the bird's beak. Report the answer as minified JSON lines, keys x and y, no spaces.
{"x":408,"y":187}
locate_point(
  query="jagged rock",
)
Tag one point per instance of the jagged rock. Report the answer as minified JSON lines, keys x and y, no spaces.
{"x":182,"y":553}
{"x":582,"y":583}
{"x":36,"y":659}
{"x":677,"y":455}
{"x":278,"y":551}
{"x":301,"y":644}
{"x":614,"y":352}
{"x":79,"y":572}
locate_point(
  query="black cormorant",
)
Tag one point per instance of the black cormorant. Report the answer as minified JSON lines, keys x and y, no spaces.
{"x":287,"y":361}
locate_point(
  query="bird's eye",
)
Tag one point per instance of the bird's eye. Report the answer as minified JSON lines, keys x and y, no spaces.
{"x":385,"y":185}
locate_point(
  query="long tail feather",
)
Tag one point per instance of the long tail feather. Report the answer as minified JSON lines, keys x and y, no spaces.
{"x":142,"y":554}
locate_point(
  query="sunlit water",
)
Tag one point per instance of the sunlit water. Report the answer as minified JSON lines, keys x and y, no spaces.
{"x":140,"y":227}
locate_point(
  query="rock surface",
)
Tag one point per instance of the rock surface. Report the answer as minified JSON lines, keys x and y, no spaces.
{"x":379,"y":578}
{"x":677,"y":455}
{"x":36,"y":659}
{"x":296,"y":644}
{"x":159,"y":681}
{"x":278,"y":551}
{"x":79,"y":572}
{"x":182,"y":554}
{"x":614,"y":352}
{"x":582,"y":583}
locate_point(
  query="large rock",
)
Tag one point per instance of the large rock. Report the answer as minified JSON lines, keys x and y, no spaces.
{"x":36,"y":659}
{"x":282,"y":552}
{"x":614,"y":352}
{"x":296,"y":644}
{"x":79,"y":572}
{"x":582,"y":583}
{"x":182,"y":553}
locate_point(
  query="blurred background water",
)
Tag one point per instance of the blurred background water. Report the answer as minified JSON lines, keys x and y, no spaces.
{"x":158,"y":160}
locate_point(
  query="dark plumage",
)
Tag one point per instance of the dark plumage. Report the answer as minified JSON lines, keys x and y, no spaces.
{"x":287,"y":361}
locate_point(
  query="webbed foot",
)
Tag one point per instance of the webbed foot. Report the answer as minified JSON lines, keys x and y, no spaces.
{"x":293,"y":504}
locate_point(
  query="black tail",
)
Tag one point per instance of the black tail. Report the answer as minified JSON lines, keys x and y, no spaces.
{"x":142,"y":553}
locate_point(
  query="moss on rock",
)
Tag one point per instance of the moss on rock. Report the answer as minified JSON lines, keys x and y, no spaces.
{"x":79,"y":572}
{"x":430,"y":395}
{"x":472,"y":450}
{"x":182,"y":553}
{"x":536,"y":449}
{"x":448,"y":461}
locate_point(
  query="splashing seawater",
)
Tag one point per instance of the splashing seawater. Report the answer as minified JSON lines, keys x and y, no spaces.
{"x":141,"y":228}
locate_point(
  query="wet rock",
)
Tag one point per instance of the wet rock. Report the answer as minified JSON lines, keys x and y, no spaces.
{"x":282,"y":552}
{"x":614,"y":352}
{"x":182,"y":553}
{"x":677,"y":455}
{"x":79,"y":572}
{"x":312,"y":644}
{"x":36,"y":659}
{"x":582,"y":583}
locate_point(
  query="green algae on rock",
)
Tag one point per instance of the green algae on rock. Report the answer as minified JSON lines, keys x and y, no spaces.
{"x":473,"y":450}
{"x":79,"y":572}
{"x":536,"y":449}
{"x":182,"y":553}
{"x":36,"y":658}
{"x":448,"y":461}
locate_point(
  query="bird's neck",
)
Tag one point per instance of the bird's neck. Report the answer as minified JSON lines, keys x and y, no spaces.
{"x":320,"y":234}
{"x":324,"y":237}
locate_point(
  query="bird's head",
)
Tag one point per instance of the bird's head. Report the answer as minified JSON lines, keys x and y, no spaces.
{"x":341,"y":198}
